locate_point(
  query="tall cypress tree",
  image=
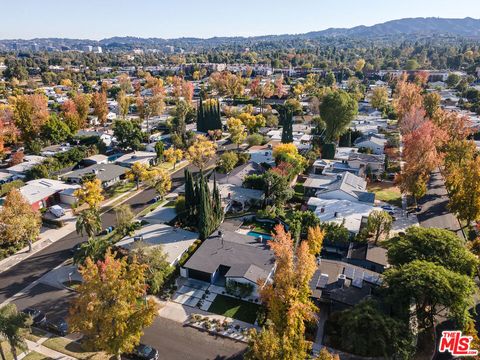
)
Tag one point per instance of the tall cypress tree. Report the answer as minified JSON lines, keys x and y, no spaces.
{"x":190,"y":198}
{"x":200,"y":117}
{"x":217,"y":204}
{"x":287,"y":121}
{"x":205,"y":218}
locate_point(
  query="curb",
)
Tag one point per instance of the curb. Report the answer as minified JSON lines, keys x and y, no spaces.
{"x":211,"y":332}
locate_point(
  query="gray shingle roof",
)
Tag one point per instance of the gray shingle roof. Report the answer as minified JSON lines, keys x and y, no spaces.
{"x":104,"y":172}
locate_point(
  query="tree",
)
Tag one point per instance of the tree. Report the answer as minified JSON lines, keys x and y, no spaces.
{"x":12,"y":326}
{"x":100,"y":106}
{"x":431,"y":103}
{"x":113,"y":292}
{"x":159,"y":179}
{"x":94,"y":249}
{"x":137,"y":173}
{"x":287,"y":126}
{"x":208,"y":115}
{"x":55,"y":130}
{"x":123,"y":104}
{"x":315,"y":236}
{"x":173,"y":156}
{"x":237,"y":131}
{"x":82,"y":104}
{"x":452,"y":80}
{"x":366,"y":331}
{"x":255,"y":140}
{"x":326,"y":355}
{"x":379,"y":97}
{"x":464,"y":185}
{"x":128,"y":133}
{"x":407,"y":97}
{"x":433,"y":289}
{"x":124,"y":216}
{"x":201,"y":152}
{"x":379,"y":223}
{"x":277,"y":188}
{"x":19,"y":223}
{"x":438,"y":246}
{"x":30,"y":113}
{"x":71,"y":116}
{"x":337,"y":110}
{"x":88,"y":221}
{"x":159,"y":149}
{"x":252,"y":122}
{"x":158,"y":268}
{"x":90,"y":193}
{"x":335,"y":233}
{"x":227,"y":161}
{"x":287,"y":300}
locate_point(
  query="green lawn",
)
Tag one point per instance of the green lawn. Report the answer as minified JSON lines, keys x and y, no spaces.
{"x":33,"y":355}
{"x":386,"y":192}
{"x":35,"y":334}
{"x":73,"y":349}
{"x":234,"y":308}
{"x":299,"y":189}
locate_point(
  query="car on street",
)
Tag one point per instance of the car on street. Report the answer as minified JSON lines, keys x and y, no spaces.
{"x":38,"y":317}
{"x":143,"y":352}
{"x":388,"y":208}
{"x":58,"y":326}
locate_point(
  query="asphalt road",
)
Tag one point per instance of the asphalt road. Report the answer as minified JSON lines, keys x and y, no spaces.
{"x":435,"y":213}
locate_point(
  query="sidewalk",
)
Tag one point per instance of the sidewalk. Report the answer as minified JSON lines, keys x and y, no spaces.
{"x":49,"y":353}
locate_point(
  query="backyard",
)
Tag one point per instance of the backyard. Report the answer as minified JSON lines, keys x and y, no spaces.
{"x":234,"y":308}
{"x":387,"y":192}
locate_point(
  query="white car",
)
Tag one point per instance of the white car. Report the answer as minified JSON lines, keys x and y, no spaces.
{"x":57,"y":211}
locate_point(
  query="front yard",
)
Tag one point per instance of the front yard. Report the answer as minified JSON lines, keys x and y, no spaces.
{"x":73,"y":349}
{"x":387,"y":192}
{"x":234,"y":308}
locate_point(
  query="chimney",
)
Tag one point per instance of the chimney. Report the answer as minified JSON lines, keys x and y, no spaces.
{"x":322,"y":210}
{"x":341,"y":280}
{"x":336,"y":214}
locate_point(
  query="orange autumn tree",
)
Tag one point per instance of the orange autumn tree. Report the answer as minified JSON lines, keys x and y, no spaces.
{"x":100,"y":106}
{"x":111,"y":309}
{"x":407,"y":97}
{"x":287,"y":300}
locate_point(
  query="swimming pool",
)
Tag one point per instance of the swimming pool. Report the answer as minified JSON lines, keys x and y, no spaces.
{"x":257,"y":234}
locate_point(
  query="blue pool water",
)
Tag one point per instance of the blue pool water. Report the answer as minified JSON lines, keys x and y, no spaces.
{"x":257,"y":234}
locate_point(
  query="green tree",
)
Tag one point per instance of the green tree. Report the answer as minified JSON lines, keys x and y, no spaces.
{"x":255,"y":140}
{"x":379,"y":97}
{"x":433,"y":289}
{"x":88,"y":222}
{"x":128,"y":133}
{"x":113,"y":292}
{"x":379,"y":223}
{"x":337,"y":110}
{"x":227,"y":161}
{"x":12,"y":327}
{"x":286,"y":117}
{"x":431,"y":103}
{"x":93,"y":248}
{"x":453,"y":79}
{"x":55,"y":130}
{"x":439,"y":246}
{"x":159,"y":149}
{"x":124,"y":216}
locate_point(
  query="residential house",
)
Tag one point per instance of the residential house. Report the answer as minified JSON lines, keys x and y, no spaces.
{"x":368,"y":256}
{"x":372,"y":142}
{"x":230,"y":256}
{"x":340,"y":285}
{"x":143,"y":157}
{"x":261,"y":154}
{"x":29,"y":161}
{"x":344,"y":186}
{"x":109,"y":174}
{"x":367,"y":163}
{"x":237,"y":198}
{"x":237,"y":175}
{"x":43,"y":193}
{"x":352,"y":215}
{"x":174,"y":241}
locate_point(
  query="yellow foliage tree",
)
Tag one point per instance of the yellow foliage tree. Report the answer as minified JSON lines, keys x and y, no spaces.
{"x":173,"y":156}
{"x":236,"y":128}
{"x":159,"y":179}
{"x":111,"y":309}
{"x":201,"y":152}
{"x":315,"y":237}
{"x":90,"y":193}
{"x":137,"y":173}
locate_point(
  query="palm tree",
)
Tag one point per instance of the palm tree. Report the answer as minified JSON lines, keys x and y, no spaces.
{"x":12,"y":323}
{"x":94,"y":248}
{"x":88,"y":221}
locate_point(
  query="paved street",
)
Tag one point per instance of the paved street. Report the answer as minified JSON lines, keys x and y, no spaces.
{"x":435,"y":212}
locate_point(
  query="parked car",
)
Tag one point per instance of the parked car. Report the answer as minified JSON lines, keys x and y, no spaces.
{"x":143,"y":352}
{"x":38,"y":317}
{"x":58,"y":326}
{"x":388,"y":208}
{"x":57,"y":211}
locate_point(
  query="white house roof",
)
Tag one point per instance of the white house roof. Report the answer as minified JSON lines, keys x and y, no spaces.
{"x":136,"y":156}
{"x":344,"y":212}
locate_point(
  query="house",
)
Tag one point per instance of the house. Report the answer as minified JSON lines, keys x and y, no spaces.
{"x":95,"y":159}
{"x":29,"y":161}
{"x":344,"y":186}
{"x":368,"y":256}
{"x":372,"y":142}
{"x":365,"y":163}
{"x":230,"y":256}
{"x":237,"y":198}
{"x":143,"y":157}
{"x":341,"y":285}
{"x":174,"y":241}
{"x":43,"y":193}
{"x":109,"y":174}
{"x":351,"y":214}
{"x":237,"y":175}
{"x":261,"y":155}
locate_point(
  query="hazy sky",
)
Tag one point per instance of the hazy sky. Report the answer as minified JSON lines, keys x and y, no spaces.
{"x":97,"y":19}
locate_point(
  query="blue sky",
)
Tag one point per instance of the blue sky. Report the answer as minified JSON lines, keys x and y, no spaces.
{"x":97,"y":19}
